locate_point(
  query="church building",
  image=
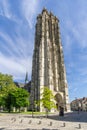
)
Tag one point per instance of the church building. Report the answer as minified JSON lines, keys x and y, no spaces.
{"x":48,"y":67}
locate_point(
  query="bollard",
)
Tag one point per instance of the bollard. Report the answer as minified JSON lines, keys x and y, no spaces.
{"x":39,"y":122}
{"x":13,"y":120}
{"x":64,"y":124}
{"x":50,"y":123}
{"x":79,"y":126}
{"x":21,"y":121}
{"x":30,"y":122}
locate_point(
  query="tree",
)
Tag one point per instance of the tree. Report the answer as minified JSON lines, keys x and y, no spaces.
{"x":1,"y":100}
{"x":10,"y":95}
{"x":5,"y":81}
{"x":47,"y":100}
{"x":21,"y":98}
{"x":9,"y":101}
{"x":16,"y":98}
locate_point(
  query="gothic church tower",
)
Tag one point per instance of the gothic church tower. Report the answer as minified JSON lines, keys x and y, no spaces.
{"x":48,"y":67}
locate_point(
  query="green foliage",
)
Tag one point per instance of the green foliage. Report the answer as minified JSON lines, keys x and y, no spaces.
{"x":22,"y":98}
{"x":1,"y":100}
{"x":36,"y":104}
{"x":6,"y":83}
{"x":5,"y":80}
{"x":47,"y":99}
{"x":11,"y":95}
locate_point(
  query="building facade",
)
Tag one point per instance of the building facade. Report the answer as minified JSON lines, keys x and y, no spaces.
{"x":48,"y":67}
{"x":79,"y":104}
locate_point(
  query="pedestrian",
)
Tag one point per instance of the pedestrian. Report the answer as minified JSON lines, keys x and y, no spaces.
{"x":61,"y":111}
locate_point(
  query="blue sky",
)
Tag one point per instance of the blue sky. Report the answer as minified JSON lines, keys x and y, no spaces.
{"x":17,"y":29}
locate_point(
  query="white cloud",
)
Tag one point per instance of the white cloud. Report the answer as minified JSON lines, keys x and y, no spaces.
{"x":19,"y":47}
{"x":5,"y":8}
{"x":29,"y":9}
{"x":11,"y":44}
{"x":77,"y":27}
{"x":80,"y":33}
{"x":16,"y":68}
{"x":20,"y":59}
{"x":18,"y":44}
{"x":68,"y":43}
{"x":5,"y":11}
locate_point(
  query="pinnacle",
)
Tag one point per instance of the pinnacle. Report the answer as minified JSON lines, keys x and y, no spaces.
{"x":44,"y":10}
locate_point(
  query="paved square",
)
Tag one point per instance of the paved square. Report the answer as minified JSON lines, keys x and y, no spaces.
{"x":70,"y":121}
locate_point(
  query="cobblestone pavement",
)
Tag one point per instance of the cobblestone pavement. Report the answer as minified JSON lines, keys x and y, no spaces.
{"x":70,"y":121}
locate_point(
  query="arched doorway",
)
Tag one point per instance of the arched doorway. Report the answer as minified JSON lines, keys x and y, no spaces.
{"x":59,"y":100}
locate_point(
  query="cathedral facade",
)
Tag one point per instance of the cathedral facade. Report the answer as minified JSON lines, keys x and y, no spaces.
{"x":48,"y":67}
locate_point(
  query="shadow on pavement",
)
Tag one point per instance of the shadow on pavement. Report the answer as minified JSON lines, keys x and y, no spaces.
{"x":71,"y":117}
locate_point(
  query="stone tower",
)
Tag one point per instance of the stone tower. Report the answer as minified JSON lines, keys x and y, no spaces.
{"x":48,"y":61}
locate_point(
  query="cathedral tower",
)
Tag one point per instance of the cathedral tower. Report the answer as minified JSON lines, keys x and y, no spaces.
{"x":48,"y":67}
